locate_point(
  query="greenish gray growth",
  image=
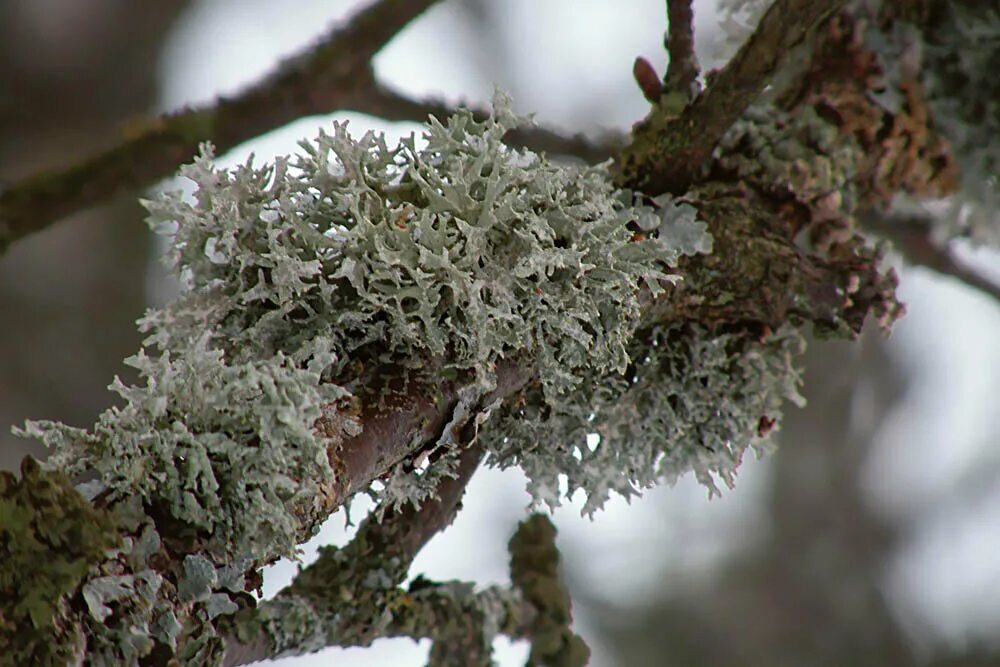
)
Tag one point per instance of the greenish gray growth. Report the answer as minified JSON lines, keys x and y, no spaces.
{"x":442,"y":257}
{"x":534,"y":571}
{"x":454,"y":254}
{"x":227,"y":448}
{"x":769,"y":146}
{"x":691,"y":400}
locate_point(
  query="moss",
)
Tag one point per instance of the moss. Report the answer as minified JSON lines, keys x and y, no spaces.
{"x":50,"y":539}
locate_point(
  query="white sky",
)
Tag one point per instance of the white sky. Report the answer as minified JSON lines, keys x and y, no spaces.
{"x":585,"y":64}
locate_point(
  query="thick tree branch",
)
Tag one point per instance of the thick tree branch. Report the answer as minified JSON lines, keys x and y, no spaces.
{"x":666,"y":154}
{"x":330,"y":76}
{"x":416,"y":415}
{"x":785,"y":251}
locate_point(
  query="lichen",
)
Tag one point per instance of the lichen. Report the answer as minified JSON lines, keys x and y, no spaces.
{"x":691,"y":400}
{"x":439,"y":257}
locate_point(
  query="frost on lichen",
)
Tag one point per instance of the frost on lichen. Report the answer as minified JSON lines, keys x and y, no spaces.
{"x":690,"y":401}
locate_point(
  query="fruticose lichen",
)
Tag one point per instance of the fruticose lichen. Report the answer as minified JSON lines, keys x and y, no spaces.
{"x":440,"y":259}
{"x":444,"y":258}
{"x":437,"y":258}
{"x":690,"y":401}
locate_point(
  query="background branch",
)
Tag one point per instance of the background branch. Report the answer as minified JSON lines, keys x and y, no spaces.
{"x":333,"y":75}
{"x":328,"y":77}
{"x":912,"y":236}
{"x":385,"y":103}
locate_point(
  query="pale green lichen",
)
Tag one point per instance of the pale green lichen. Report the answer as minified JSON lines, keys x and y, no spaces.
{"x":690,"y":401}
{"x":223,"y":447}
{"x":439,"y":258}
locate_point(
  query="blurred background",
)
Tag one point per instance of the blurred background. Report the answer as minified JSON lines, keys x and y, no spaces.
{"x":871,"y":538}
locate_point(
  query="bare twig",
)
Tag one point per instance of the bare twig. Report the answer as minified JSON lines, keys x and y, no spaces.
{"x":683,"y":70}
{"x":328,"y":77}
{"x":912,"y":236}
{"x":385,"y":103}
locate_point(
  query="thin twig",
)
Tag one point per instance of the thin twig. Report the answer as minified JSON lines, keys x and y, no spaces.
{"x":328,"y":77}
{"x":381,"y":549}
{"x":683,"y":69}
{"x":385,"y":103}
{"x":912,"y":236}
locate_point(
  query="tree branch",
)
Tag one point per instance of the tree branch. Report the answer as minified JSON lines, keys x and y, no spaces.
{"x":683,"y":69}
{"x":385,"y":103}
{"x":334,"y":75}
{"x":534,"y":569}
{"x":398,"y":428}
{"x":336,"y":604}
{"x":761,"y":274}
{"x":330,"y":76}
{"x":912,"y":236}
{"x":666,"y":154}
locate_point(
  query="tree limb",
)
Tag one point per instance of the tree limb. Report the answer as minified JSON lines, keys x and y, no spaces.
{"x":912,"y":236}
{"x":385,"y":103}
{"x":761,"y":274}
{"x":343,"y":609}
{"x":330,"y":76}
{"x":334,"y":75}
